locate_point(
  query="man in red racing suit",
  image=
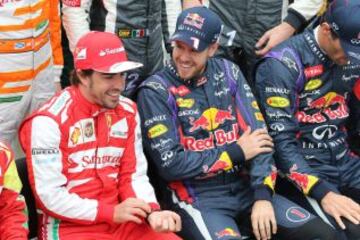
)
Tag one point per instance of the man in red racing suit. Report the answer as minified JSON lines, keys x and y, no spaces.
{"x":84,"y":154}
{"x":13,"y":219}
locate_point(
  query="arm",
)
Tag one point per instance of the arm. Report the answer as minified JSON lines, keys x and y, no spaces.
{"x":75,"y":19}
{"x":299,"y":13}
{"x":13,"y":217}
{"x":262,"y":177}
{"x":40,"y":137}
{"x":133,"y":182}
{"x":163,"y":141}
{"x":283,"y":125}
{"x":354,"y":123}
{"x":55,"y":38}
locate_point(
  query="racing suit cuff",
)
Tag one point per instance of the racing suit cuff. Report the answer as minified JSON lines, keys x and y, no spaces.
{"x":295,"y":19}
{"x":236,"y":153}
{"x":154,"y":206}
{"x":319,"y":190}
{"x":105,"y":213}
{"x":262,"y":193}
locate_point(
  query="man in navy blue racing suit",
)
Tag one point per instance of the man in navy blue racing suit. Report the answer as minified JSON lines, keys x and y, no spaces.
{"x":306,"y":87}
{"x":204,"y":132}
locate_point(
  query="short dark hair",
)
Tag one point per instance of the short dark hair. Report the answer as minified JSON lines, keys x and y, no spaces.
{"x":75,"y":80}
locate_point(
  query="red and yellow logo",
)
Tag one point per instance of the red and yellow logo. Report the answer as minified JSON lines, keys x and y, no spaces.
{"x":157,"y":130}
{"x":211,"y":118}
{"x":185,"y":103}
{"x":278,"y":102}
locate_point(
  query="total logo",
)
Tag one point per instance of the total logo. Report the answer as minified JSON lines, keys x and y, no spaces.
{"x":211,"y":119}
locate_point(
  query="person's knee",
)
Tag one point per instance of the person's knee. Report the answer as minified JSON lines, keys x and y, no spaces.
{"x":352,"y":231}
{"x":315,"y":229}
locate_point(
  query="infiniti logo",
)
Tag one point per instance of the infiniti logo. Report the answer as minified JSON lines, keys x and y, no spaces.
{"x":277,"y":127}
{"x":324,"y":132}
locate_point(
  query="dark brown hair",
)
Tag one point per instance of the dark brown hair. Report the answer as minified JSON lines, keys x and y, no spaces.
{"x":75,"y":80}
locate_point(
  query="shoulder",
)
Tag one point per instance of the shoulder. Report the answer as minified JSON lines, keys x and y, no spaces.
{"x":126,"y":105}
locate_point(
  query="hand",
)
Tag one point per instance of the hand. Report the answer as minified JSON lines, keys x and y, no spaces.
{"x":263,"y":220}
{"x":273,"y":37}
{"x":132,"y":209}
{"x":256,"y":142}
{"x":338,"y":206}
{"x":191,"y":3}
{"x":164,"y":221}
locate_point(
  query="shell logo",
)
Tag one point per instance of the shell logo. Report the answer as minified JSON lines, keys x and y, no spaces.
{"x":278,"y":102}
{"x":157,"y":130}
{"x":313,"y":84}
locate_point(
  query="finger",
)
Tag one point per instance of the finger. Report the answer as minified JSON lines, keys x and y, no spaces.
{"x":255,"y":226}
{"x":132,"y":218}
{"x":273,"y":224}
{"x":265,"y":143}
{"x":268,"y":228}
{"x":263,"y":150}
{"x":139,"y":203}
{"x":177,"y":221}
{"x":165,"y":225}
{"x":340,"y":222}
{"x":138,"y":212}
{"x":264,"y":38}
{"x":262,"y":229}
{"x":260,"y":131}
{"x":171,"y":223}
{"x":351,"y":218}
{"x":247,"y":131}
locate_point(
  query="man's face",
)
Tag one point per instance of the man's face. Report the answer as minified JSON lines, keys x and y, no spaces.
{"x":332,"y":46}
{"x":189,"y":62}
{"x":104,"y":89}
{"x":336,"y":53}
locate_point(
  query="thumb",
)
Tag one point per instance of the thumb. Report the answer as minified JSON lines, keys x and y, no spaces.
{"x":264,"y":38}
{"x":247,"y":131}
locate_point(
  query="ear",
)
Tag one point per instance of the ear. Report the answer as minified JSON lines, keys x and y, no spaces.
{"x":212,"y":49}
{"x":325,"y":29}
{"x":82,"y":77}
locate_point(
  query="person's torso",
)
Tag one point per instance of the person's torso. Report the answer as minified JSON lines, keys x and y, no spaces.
{"x":93,"y":141}
{"x":25,"y":48}
{"x":138,"y":23}
{"x":322,"y":97}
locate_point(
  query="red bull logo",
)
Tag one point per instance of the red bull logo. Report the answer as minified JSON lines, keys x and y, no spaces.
{"x":224,"y":163}
{"x":304,"y":181}
{"x":221,"y":138}
{"x":270,"y":180}
{"x":227,"y":232}
{"x":211,"y":119}
{"x":195,"y":20}
{"x":329,"y":99}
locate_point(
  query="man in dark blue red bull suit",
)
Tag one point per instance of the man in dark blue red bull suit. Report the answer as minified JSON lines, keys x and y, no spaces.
{"x":203,"y":130}
{"x":309,"y":87}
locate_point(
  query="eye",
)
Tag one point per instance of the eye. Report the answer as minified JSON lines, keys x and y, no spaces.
{"x":123,"y":74}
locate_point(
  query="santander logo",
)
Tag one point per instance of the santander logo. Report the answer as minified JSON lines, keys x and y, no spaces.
{"x":108,"y":51}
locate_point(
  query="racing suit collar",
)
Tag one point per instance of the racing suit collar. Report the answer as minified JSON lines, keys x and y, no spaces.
{"x":87,"y":107}
{"x":196,"y":81}
{"x":315,"y":48}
